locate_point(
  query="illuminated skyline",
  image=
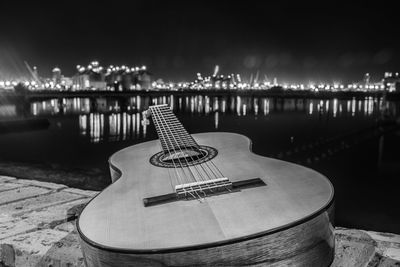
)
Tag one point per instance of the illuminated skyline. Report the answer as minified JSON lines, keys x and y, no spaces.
{"x":296,"y":42}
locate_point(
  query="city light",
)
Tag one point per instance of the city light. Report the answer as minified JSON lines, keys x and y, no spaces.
{"x":124,"y":77}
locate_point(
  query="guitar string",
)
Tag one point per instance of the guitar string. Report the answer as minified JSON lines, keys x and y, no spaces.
{"x":156,"y":122}
{"x":172,"y":117}
{"x":158,"y":128}
{"x":187,"y":163}
{"x":155,"y":109}
{"x":166,"y":110}
{"x":206,"y":163}
{"x":211,"y":162}
{"x":169,"y":171}
{"x":175,"y":133}
{"x":199,"y":197}
{"x":177,"y":145}
{"x":188,"y":142}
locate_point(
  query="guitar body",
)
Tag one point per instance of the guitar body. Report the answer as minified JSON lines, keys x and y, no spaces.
{"x":288,"y":221}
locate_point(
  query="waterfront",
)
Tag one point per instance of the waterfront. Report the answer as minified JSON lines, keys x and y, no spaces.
{"x":318,"y":133}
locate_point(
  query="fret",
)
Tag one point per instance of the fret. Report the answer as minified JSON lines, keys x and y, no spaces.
{"x":172,"y":134}
{"x":179,"y":134}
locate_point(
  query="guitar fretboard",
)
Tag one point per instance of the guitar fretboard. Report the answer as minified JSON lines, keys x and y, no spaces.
{"x":173,"y":136}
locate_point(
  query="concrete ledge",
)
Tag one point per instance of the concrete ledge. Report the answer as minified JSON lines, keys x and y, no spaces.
{"x":37,"y":228}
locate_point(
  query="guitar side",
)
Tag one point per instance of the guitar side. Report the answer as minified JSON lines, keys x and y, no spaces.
{"x":287,"y":222}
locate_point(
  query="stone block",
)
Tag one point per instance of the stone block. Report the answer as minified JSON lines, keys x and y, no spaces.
{"x":48,"y":185}
{"x":87,"y":193}
{"x":69,"y":227}
{"x":383,"y":238}
{"x":349,"y":251}
{"x":37,"y":203}
{"x":392,"y":253}
{"x":9,"y":186}
{"x":47,"y":247}
{"x":22,"y":193}
{"x":364,"y":248}
{"x":49,"y":217}
{"x":4,"y":179}
{"x":12,"y":228}
{"x":7,"y":255}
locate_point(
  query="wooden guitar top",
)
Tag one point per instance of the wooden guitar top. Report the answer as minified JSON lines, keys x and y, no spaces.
{"x":117,"y":218}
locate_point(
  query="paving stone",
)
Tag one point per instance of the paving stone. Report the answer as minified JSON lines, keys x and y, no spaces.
{"x":9,"y":186}
{"x":361,"y":248}
{"x":69,"y":227}
{"x":87,"y":193}
{"x":12,"y":228}
{"x":7,"y":255}
{"x":385,"y":237}
{"x":4,"y":179}
{"x":40,"y":202}
{"x":49,"y":217}
{"x":48,"y":185}
{"x":393,"y":253}
{"x":47,"y":247}
{"x":21,"y":194}
{"x":353,"y":248}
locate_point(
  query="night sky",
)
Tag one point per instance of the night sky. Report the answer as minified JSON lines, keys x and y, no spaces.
{"x":294,"y":42}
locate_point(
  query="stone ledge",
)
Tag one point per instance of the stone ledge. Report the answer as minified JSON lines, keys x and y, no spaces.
{"x":4,"y":179}
{"x":6,"y":186}
{"x":45,"y":234}
{"x":52,"y":186}
{"x":86,"y":193}
{"x":46,"y":247}
{"x":49,"y":217}
{"x":22,"y":193}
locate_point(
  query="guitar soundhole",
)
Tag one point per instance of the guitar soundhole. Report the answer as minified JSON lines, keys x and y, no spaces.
{"x":183,"y":157}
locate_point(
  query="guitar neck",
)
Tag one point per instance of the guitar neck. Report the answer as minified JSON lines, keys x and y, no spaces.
{"x":173,"y":136}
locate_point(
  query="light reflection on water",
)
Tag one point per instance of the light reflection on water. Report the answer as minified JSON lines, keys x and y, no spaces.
{"x":111,"y":120}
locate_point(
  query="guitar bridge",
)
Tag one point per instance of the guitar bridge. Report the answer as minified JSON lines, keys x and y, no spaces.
{"x":193,"y":190}
{"x":203,"y":187}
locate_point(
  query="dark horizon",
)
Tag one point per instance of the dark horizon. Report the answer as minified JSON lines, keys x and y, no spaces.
{"x":297,"y":42}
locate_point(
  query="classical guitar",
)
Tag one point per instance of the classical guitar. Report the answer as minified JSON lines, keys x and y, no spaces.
{"x":206,"y":200}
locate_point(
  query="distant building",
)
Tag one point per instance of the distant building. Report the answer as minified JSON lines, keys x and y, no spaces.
{"x":85,"y":81}
{"x":100,"y":85}
{"x":125,"y":79}
{"x":56,"y":75}
{"x":391,"y":82}
{"x":116,"y":78}
{"x":67,"y":82}
{"x":80,"y":81}
{"x":144,"y":80}
{"x":366,"y":79}
{"x":91,"y":77}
